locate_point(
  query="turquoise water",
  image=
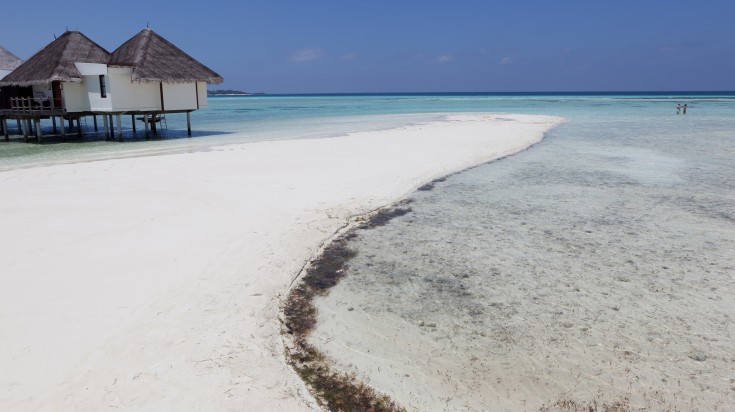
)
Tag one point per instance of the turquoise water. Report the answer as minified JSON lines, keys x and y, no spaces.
{"x":252,"y":118}
{"x":597,"y":266}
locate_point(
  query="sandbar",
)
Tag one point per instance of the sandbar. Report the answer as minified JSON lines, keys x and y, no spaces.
{"x":154,"y":282}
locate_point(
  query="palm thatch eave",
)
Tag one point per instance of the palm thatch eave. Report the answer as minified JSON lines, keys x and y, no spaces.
{"x":40,"y":82}
{"x":214,"y":80}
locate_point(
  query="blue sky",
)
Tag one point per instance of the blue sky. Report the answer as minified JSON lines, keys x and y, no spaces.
{"x":313,"y":46}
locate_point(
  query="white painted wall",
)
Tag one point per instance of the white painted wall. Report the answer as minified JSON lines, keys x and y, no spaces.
{"x":179,"y":96}
{"x":94,"y":95}
{"x":202,"y":90}
{"x":130,"y":95}
{"x":75,"y":97}
{"x":86,"y":96}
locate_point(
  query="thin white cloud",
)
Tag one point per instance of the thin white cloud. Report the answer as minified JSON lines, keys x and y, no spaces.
{"x":507,"y":60}
{"x":446,"y":58}
{"x":304,"y":55}
{"x":348,"y":56}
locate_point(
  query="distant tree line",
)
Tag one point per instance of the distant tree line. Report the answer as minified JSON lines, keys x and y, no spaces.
{"x":228,"y":92}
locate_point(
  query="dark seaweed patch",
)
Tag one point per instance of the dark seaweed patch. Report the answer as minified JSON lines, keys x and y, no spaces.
{"x":426,"y":187}
{"x":383,"y":216}
{"x":333,"y":390}
{"x":429,"y":186}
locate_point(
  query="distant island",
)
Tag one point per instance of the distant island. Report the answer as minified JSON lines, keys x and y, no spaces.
{"x":229,"y":92}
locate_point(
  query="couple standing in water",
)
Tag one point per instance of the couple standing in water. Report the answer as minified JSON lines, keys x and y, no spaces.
{"x":679,"y":108}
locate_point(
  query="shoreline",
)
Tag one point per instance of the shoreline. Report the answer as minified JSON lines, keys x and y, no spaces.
{"x":331,"y":386}
{"x":170,"y":268}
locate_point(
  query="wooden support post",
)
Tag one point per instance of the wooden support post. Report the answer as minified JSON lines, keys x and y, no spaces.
{"x":53,"y":122}
{"x":132,"y":121}
{"x":17,"y":122}
{"x":119,"y":127}
{"x":153,"y":124}
{"x":38,"y":129}
{"x":5,"y":129}
{"x":145,"y":124}
{"x":2,"y":125}
{"x":71,"y":123}
{"x":188,"y":123}
{"x":63,"y":127}
{"x":112,"y":126}
{"x":79,"y":126}
{"x":25,"y":129}
{"x":107,"y":126}
{"x":94,"y":120}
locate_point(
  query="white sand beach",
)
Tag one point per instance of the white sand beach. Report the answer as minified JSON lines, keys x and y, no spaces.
{"x":153,"y":282}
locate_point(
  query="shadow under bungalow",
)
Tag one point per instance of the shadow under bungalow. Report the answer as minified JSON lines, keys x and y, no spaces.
{"x":73,"y":78}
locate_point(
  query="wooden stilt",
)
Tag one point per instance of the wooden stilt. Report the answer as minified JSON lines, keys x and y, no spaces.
{"x":112,"y":126}
{"x":71,"y":123}
{"x":38,"y":129}
{"x":188,"y":123}
{"x":17,"y":122}
{"x":53,"y":122}
{"x":145,"y":124}
{"x":94,"y":120}
{"x":2,"y":125}
{"x":25,"y":129}
{"x":153,"y":124}
{"x":79,"y":126}
{"x":132,"y":121}
{"x":119,"y":127}
{"x":63,"y":128}
{"x":5,"y":129}
{"x":107,"y":126}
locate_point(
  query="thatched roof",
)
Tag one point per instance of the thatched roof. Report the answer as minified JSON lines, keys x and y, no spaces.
{"x":155,"y":59}
{"x":8,"y":61}
{"x":55,"y":62}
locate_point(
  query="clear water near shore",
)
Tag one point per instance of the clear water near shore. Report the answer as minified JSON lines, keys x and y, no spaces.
{"x":252,"y":118}
{"x":597,"y":265}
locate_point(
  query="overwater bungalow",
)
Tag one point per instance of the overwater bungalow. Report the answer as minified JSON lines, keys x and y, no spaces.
{"x":54,"y":82}
{"x":73,"y":77}
{"x":8,"y":63}
{"x":149,"y":75}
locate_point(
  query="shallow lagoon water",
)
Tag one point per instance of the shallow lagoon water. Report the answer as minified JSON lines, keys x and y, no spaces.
{"x":230,"y":120}
{"x":599,"y":265}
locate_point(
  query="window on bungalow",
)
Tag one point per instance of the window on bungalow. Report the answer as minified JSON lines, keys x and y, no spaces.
{"x":103,"y":89}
